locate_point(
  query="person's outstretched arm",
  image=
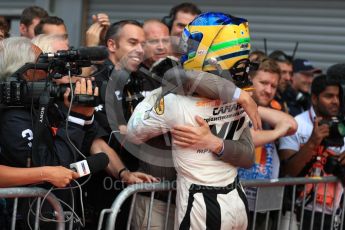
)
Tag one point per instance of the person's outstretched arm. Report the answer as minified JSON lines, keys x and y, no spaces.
{"x":282,"y":124}
{"x":56,"y":175}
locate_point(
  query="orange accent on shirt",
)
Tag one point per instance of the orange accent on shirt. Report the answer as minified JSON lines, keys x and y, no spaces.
{"x":260,"y":155}
{"x":207,"y":102}
{"x":275,"y":105}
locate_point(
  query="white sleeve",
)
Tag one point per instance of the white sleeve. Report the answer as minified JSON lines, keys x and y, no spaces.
{"x":149,"y":119}
{"x":289,"y":142}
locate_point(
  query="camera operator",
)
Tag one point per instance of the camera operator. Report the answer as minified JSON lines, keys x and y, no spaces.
{"x":302,"y":152}
{"x":17,"y":131}
{"x":18,"y":134}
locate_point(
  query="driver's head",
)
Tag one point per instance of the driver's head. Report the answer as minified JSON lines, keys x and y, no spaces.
{"x":216,"y":39}
{"x":11,"y":59}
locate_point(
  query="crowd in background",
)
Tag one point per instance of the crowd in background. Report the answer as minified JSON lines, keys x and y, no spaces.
{"x":296,"y":103}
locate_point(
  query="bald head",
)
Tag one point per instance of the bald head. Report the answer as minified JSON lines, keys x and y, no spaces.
{"x":157,"y":43}
{"x":148,"y":24}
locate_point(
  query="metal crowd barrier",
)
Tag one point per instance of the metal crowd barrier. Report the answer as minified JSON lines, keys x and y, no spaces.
{"x":26,"y":192}
{"x":269,"y":198}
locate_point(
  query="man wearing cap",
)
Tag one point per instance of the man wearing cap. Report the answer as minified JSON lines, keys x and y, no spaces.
{"x":299,"y":93}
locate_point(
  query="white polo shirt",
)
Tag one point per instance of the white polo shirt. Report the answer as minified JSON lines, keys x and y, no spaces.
{"x":294,"y":142}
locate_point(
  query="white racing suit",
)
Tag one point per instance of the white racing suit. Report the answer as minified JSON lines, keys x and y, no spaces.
{"x":209,"y":195}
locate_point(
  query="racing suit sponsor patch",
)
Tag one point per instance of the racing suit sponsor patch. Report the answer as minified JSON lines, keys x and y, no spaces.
{"x":159,"y":108}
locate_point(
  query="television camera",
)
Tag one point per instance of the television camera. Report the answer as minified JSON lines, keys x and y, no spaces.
{"x":17,"y":91}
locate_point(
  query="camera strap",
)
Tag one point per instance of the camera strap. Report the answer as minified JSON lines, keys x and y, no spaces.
{"x":39,"y":129}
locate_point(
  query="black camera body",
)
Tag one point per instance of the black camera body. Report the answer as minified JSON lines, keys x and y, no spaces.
{"x":333,"y":166}
{"x":16,"y":91}
{"x":26,"y":94}
{"x":336,"y":131}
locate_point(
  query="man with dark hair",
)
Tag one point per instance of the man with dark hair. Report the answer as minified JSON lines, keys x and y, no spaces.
{"x":179,"y":16}
{"x":303,"y":152}
{"x":30,"y":17}
{"x":286,"y":71}
{"x":51,"y":25}
{"x":298,"y":98}
{"x":124,"y":41}
{"x":337,"y":72}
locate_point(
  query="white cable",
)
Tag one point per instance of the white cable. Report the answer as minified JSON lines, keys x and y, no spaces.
{"x":68,"y":113}
{"x":74,"y":216}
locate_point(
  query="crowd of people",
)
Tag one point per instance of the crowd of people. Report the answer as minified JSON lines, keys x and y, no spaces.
{"x":183,"y":98}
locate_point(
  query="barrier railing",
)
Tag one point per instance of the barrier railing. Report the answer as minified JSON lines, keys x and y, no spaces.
{"x":26,"y":192}
{"x":268,"y":199}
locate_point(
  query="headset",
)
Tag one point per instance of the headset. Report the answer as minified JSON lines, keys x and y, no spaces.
{"x":168,"y":20}
{"x":186,"y":6}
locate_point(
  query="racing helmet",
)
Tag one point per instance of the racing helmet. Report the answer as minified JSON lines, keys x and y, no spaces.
{"x":217,"y":42}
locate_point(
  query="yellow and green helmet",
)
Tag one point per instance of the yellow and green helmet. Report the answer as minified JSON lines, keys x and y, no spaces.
{"x":214,"y":36}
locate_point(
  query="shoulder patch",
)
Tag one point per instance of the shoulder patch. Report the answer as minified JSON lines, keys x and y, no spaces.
{"x":159,"y":107}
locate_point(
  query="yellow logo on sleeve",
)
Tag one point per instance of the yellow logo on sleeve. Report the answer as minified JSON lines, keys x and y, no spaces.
{"x":159,"y":108}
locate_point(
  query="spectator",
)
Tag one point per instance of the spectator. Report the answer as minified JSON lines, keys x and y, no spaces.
{"x":257,"y":56}
{"x":265,"y":81}
{"x":51,"y":25}
{"x":124,"y":40}
{"x":30,"y":17}
{"x":95,"y":34}
{"x":337,"y":72}
{"x":298,"y":98}
{"x":286,"y":71}
{"x":199,"y":168}
{"x":179,"y":16}
{"x":302,"y":153}
{"x":50,"y":43}
{"x":157,"y":42}
{"x":275,"y":125}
